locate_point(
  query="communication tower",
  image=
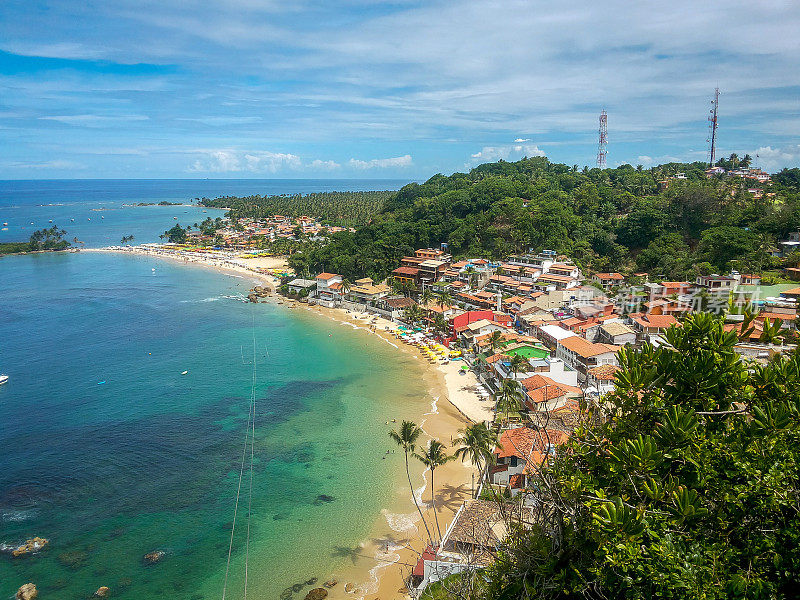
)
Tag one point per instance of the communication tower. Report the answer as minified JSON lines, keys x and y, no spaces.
{"x":712,"y":129}
{"x":602,"y":144}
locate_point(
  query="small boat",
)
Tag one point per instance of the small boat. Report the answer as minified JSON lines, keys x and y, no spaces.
{"x":101,"y":382}
{"x":184,"y":372}
{"x":5,"y":224}
{"x":3,"y":379}
{"x":50,"y":221}
{"x":73,"y":220}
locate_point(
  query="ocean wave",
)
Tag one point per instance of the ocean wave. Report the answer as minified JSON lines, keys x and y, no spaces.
{"x":17,"y":516}
{"x":400,"y":523}
{"x":384,"y":559}
{"x":354,"y":326}
{"x":434,"y":408}
{"x":212,"y":299}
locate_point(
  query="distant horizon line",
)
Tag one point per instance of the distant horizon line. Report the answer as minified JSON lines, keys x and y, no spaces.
{"x":215,"y":179}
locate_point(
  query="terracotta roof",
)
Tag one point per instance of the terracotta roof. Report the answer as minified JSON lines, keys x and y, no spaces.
{"x":542,"y":389}
{"x":515,"y":481}
{"x":524,"y":442}
{"x":612,"y":276}
{"x":326,"y":276}
{"x":585,"y":348}
{"x":400,"y":302}
{"x":658,"y":321}
{"x":604,"y":372}
{"x":495,"y":357}
{"x":410,"y":271}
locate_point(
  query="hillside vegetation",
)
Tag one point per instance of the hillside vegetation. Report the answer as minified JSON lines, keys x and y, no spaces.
{"x":613,"y":219}
{"x":332,"y":208}
{"x":689,"y":491}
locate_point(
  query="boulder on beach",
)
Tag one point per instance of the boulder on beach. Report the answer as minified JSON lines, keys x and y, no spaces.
{"x":349,"y":587}
{"x":317,"y":594}
{"x":30,"y":546}
{"x":27,"y":592}
{"x":102,"y":592}
{"x":332,"y":582}
{"x":153,"y":557}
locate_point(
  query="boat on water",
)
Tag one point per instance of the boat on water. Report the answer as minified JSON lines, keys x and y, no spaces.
{"x":3,"y":379}
{"x":5,"y":224}
{"x":184,"y":372}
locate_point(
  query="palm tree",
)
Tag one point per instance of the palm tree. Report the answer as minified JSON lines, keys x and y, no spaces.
{"x":509,"y":397}
{"x":443,"y":298}
{"x":771,"y":333}
{"x":440,"y":324}
{"x":412,"y":314}
{"x":434,"y":457}
{"x":476,"y":443}
{"x":346,"y":286}
{"x":406,"y":438}
{"x":494,"y":340}
{"x":425,"y":297}
{"x":518,"y":362}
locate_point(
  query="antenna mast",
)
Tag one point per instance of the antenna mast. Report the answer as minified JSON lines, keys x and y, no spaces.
{"x":603,"y":141}
{"x":712,"y":128}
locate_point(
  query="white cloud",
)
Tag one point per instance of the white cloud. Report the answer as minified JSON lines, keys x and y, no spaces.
{"x":381,"y":163}
{"x":222,"y":121}
{"x":48,"y":164}
{"x":774,"y":159}
{"x":521,"y":140}
{"x":645,"y":160}
{"x":94,"y":120}
{"x":324,"y":165}
{"x":233,"y":161}
{"x":511,"y":152}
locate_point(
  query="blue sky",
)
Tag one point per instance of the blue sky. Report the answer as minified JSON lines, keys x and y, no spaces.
{"x":277,"y":88}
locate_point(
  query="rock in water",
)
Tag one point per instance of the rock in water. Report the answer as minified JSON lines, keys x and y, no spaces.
{"x":153,"y":557}
{"x":311,"y":581}
{"x":317,"y":594}
{"x":102,"y":592}
{"x":349,"y":587}
{"x":331,"y":582}
{"x":27,"y":592}
{"x":30,"y":546}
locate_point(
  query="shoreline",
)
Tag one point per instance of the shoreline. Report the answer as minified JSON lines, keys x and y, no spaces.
{"x":395,"y":541}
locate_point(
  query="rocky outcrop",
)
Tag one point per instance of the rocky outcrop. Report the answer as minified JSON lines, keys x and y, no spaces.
{"x":30,"y":546}
{"x":332,"y":582}
{"x":153,"y":557}
{"x":317,"y":594}
{"x":259,"y":292}
{"x":102,"y":592}
{"x":27,"y":592}
{"x":349,"y":587}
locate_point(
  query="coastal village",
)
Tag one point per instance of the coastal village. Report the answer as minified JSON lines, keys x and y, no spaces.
{"x":533,"y":339}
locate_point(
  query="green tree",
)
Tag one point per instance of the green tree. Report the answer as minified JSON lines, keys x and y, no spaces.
{"x":685,"y":485}
{"x":509,"y":398}
{"x":407,"y":438}
{"x":432,"y":457}
{"x":176,"y":235}
{"x":476,"y":444}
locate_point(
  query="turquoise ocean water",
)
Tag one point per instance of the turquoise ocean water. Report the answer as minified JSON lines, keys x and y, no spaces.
{"x":110,"y":453}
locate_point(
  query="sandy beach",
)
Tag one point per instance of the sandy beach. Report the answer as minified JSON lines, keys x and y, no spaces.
{"x":385,"y":559}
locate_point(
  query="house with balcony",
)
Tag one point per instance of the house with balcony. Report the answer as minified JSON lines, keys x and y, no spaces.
{"x":329,"y":287}
{"x":608,"y":280}
{"x":543,"y":393}
{"x":582,"y":355}
{"x":365,"y":290}
{"x":616,"y":332}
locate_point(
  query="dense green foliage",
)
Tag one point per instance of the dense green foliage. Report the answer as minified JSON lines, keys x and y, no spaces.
{"x":41,"y":239}
{"x":332,"y":208}
{"x":689,"y":490}
{"x":614,"y":219}
{"x":175,"y":235}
